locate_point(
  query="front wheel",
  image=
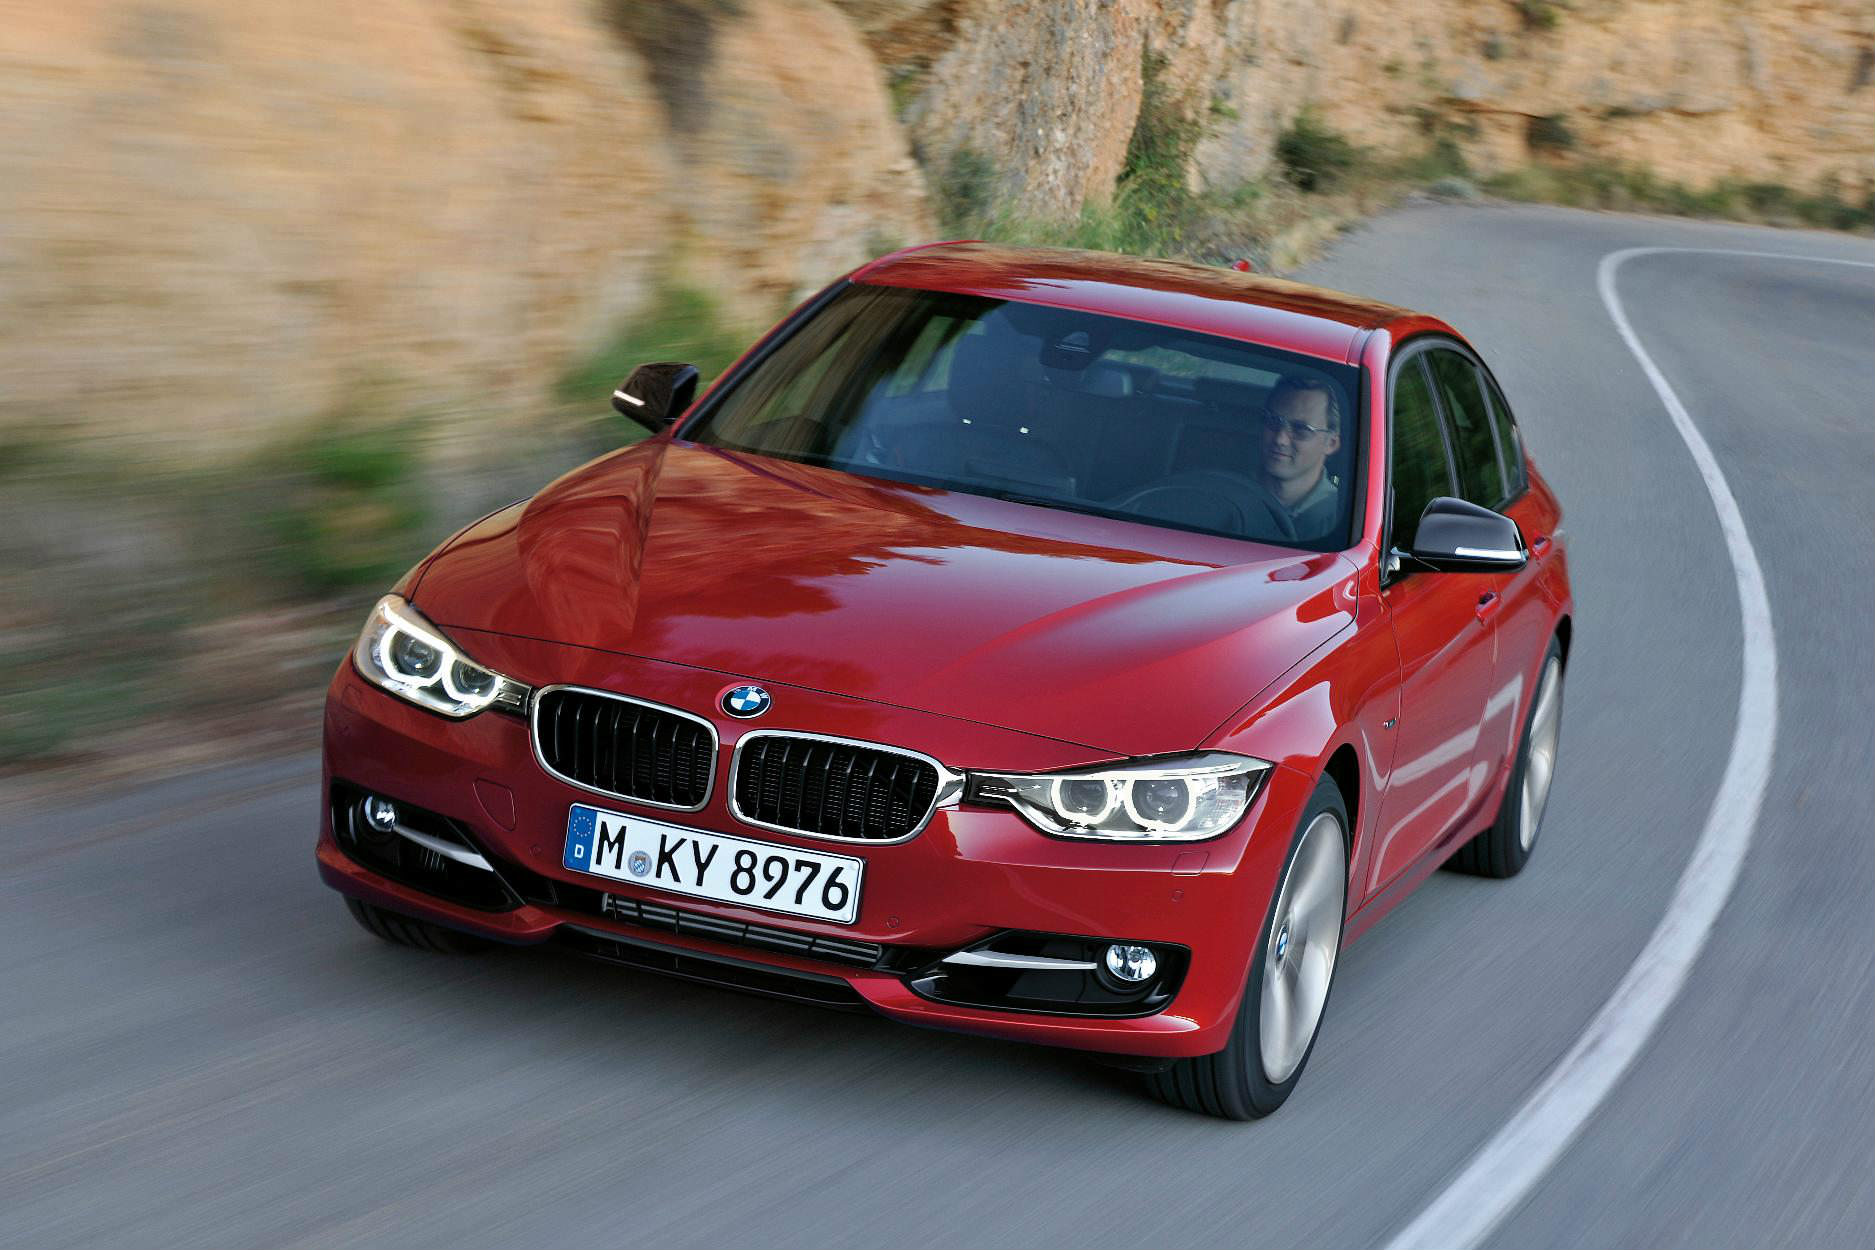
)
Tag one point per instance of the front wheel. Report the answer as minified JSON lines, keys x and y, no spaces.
{"x":1291,"y":972}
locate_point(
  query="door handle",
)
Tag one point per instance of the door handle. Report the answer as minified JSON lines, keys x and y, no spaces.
{"x":1488,"y":603}
{"x":1539,"y":546}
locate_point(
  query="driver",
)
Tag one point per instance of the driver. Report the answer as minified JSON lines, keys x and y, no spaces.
{"x":1301,"y":429}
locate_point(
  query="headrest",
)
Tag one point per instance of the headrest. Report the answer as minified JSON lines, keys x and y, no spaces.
{"x":1105,"y":378}
{"x":1231,"y":397}
{"x":1098,"y":378}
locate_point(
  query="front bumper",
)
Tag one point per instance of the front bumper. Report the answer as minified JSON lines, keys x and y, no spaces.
{"x":971,"y":874}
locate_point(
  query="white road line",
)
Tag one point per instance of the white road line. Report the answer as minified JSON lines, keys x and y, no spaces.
{"x":1508,"y":1166}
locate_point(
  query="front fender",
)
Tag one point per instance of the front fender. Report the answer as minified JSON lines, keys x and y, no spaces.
{"x":1345,"y":695}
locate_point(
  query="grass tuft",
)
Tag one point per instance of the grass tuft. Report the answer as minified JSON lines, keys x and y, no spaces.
{"x":1549,"y":132}
{"x":681,"y":323}
{"x":342,"y":508}
{"x":1314,"y":156}
{"x":966,"y":194}
{"x":1612,"y":185}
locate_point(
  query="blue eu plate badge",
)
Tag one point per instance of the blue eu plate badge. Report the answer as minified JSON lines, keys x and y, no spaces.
{"x":581,"y":824}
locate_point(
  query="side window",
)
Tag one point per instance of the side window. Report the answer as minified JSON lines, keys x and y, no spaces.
{"x":1474,"y":447}
{"x":1509,"y":442}
{"x":1421,"y":472}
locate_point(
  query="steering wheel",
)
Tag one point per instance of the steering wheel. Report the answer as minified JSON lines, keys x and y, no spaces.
{"x":1211,"y":499}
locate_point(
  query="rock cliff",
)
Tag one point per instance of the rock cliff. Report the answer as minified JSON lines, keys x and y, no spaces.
{"x":1763,"y":90}
{"x":219,"y":219}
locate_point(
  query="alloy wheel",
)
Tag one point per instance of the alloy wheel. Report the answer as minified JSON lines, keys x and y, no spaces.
{"x":1540,"y":767}
{"x":1304,"y":941}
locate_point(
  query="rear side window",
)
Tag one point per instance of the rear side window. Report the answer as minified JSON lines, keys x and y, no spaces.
{"x":1421,"y":472}
{"x":1509,"y":442}
{"x":1474,"y":447}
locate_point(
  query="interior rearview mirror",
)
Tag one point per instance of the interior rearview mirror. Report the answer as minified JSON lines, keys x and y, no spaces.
{"x":656,"y":394}
{"x":1459,"y":537}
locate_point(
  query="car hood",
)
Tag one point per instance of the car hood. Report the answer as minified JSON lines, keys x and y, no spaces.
{"x":1123,"y":637}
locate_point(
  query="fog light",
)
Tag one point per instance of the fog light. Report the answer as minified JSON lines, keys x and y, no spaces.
{"x":1131,"y":963}
{"x":381,"y":814}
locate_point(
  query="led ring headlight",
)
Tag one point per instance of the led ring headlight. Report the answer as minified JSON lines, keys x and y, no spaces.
{"x":1174,"y":799}
{"x":402,"y":653}
{"x":1070,"y":795}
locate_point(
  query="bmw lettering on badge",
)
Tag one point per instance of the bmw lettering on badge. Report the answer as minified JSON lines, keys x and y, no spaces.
{"x":783,"y":879}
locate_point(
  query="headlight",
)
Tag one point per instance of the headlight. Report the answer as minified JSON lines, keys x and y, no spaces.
{"x":1183,"y":799}
{"x":408,"y":656}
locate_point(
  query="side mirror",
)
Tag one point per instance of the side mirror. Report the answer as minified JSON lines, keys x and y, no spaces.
{"x":655,"y":395}
{"x":1459,"y":537}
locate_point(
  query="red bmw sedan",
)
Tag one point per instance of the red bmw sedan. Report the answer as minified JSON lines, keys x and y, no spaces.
{"x":1061,"y":647}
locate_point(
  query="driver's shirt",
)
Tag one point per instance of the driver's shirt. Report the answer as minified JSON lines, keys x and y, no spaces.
{"x":1313,"y":515}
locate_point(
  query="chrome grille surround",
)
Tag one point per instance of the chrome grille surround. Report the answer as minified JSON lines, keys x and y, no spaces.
{"x":543,"y":696}
{"x":949,"y":785}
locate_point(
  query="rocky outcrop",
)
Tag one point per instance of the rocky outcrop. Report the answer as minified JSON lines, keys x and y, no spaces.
{"x":1764,"y":90}
{"x":795,"y":171}
{"x":221,"y":219}
{"x":1044,"y":90}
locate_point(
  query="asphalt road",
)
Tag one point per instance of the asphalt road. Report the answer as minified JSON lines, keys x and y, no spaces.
{"x":197,"y":1046}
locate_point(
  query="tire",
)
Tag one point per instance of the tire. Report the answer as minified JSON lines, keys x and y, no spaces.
{"x":1237,"y":1083}
{"x":1503,"y":849}
{"x":408,"y":931}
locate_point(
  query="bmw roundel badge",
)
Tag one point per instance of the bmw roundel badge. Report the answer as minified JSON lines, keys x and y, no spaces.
{"x":745,"y":702}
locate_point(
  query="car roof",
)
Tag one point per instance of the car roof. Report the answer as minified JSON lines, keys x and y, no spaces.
{"x":1273,"y":312}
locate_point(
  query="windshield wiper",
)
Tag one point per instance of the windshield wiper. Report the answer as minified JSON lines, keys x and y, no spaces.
{"x":1010,"y":496}
{"x":1050,"y":501}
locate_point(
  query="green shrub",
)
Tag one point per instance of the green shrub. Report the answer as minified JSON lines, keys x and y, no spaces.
{"x":95,"y":585}
{"x":681,"y":323}
{"x":966,"y":193}
{"x":1155,"y":180}
{"x":339,"y":507}
{"x":1613,"y":185}
{"x":42,"y":714}
{"x":1539,"y":14}
{"x":1549,"y":133}
{"x":1153,"y":211}
{"x":20,"y":449}
{"x":1315,"y":157}
{"x":1127,"y":224}
{"x":903,"y":86}
{"x":1442,"y":158}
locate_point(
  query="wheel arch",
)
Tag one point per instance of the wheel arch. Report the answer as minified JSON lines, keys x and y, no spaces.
{"x":1343,"y":767}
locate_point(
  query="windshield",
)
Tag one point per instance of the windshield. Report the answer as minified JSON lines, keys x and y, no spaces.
{"x":1056,"y":407}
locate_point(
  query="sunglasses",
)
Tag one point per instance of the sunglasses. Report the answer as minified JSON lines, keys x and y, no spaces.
{"x":1301,"y":431}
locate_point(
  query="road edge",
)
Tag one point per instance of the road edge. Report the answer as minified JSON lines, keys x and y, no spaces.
{"x":1504,"y":1171}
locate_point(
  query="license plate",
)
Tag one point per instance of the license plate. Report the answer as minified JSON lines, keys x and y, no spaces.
{"x":711,"y":865}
